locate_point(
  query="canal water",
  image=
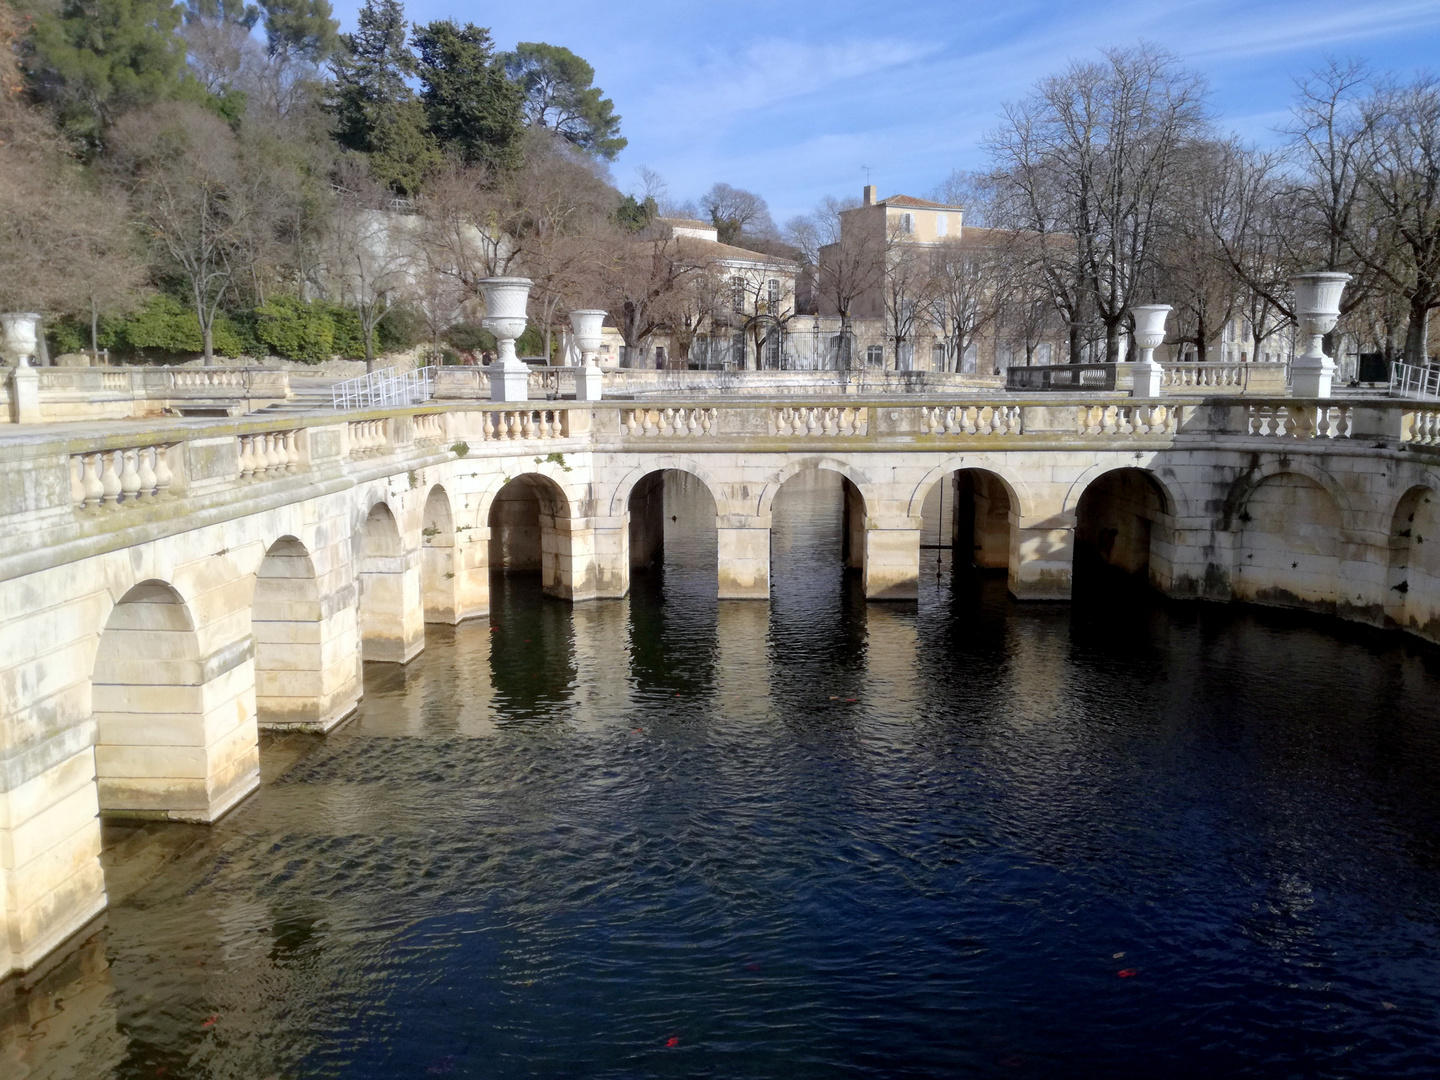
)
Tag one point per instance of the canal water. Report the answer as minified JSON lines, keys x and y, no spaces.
{"x":672,"y":836}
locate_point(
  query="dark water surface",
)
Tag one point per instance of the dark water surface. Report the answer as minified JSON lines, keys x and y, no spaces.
{"x":814,"y":838}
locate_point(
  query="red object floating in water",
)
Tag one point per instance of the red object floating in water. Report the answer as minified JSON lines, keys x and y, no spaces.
{"x":1126,"y":973}
{"x":672,"y":1041}
{"x":211,"y":1021}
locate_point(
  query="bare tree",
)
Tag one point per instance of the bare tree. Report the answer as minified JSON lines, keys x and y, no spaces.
{"x":639,"y":276}
{"x":849,"y":264}
{"x":969,"y":277}
{"x":370,"y":255}
{"x":182,"y":168}
{"x":906,"y":294}
{"x":737,"y":213}
{"x":1086,"y":163}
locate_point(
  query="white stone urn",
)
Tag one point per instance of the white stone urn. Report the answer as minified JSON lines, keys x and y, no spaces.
{"x":1149,"y":336}
{"x":505,"y":301}
{"x":1317,"y":308}
{"x":587,"y":323}
{"x":19,"y":337}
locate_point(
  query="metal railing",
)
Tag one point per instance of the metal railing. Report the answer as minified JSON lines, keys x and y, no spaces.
{"x":1412,"y":381}
{"x":1061,"y":377}
{"x":384,"y":387}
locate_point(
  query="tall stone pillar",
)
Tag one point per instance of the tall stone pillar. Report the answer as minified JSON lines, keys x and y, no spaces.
{"x":392,"y":608}
{"x":471,"y":567}
{"x":1042,"y":562}
{"x":610,"y":552}
{"x":892,"y":558}
{"x":571,"y":566}
{"x":743,"y":558}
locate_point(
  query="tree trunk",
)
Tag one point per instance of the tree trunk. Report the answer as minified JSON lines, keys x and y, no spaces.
{"x":367,"y":331}
{"x":207,"y":333}
{"x":1076,"y":345}
{"x":1417,"y":341}
{"x":1112,"y":342}
{"x":94,"y":331}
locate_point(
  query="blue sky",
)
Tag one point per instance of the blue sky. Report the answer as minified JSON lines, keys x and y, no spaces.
{"x":793,"y":100}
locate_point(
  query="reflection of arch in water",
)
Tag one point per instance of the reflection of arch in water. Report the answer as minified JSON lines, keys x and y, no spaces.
{"x":175,"y":731}
{"x":306,"y":659}
{"x":1125,"y":521}
{"x":526,"y":534}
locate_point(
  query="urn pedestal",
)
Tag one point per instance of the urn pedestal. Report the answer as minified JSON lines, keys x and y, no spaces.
{"x":587,"y":324}
{"x":1317,"y":308}
{"x":505,"y":299}
{"x":1149,"y":336}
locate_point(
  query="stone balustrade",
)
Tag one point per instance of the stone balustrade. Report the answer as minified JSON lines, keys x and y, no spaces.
{"x":971,"y":420}
{"x":1223,"y":378}
{"x":123,"y":477}
{"x":269,"y":454}
{"x":368,"y":437}
{"x":510,"y":425}
{"x":812,"y":420}
{"x":119,"y":393}
{"x":669,"y":421}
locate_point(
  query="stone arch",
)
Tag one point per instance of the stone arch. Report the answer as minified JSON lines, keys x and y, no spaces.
{"x":307,"y":660}
{"x":529,"y":523}
{"x":1412,"y":593}
{"x":1289,"y":541}
{"x":648,"y":507}
{"x":1076,"y":491}
{"x":620,"y":499}
{"x":974,"y":513}
{"x":1125,"y":520}
{"x":175,"y":729}
{"x":392,"y":628}
{"x":437,"y":558}
{"x":863,"y":486}
{"x":1245,"y":485}
{"x":1015,"y":489}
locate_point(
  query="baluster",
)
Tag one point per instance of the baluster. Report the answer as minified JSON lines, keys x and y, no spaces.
{"x":631,"y":421}
{"x":968,"y":416}
{"x":709,"y":420}
{"x":247,"y":452}
{"x":129,"y":475}
{"x":274,"y":457}
{"x":147,"y":473}
{"x":292,"y":451}
{"x":262,"y":455}
{"x":812,"y":421}
{"x":77,"y":485}
{"x":163,"y":476}
{"x":827,"y":421}
{"x":782,"y":421}
{"x":667,"y":422}
{"x":94,"y":489}
{"x":110,"y":477}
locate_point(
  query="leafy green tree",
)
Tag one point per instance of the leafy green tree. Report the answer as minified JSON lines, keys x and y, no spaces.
{"x":472,"y":108}
{"x":301,"y":28}
{"x":560,"y":95}
{"x":632,"y":215}
{"x":376,"y":111}
{"x":92,"y":60}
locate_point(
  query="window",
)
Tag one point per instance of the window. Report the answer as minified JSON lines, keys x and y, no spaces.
{"x":772,"y":349}
{"x":737,"y":294}
{"x":942,"y":225}
{"x":937,"y":357}
{"x":1042,"y":353}
{"x":875,"y":355}
{"x":772,"y":294}
{"x":907,"y":224}
{"x":737,"y":350}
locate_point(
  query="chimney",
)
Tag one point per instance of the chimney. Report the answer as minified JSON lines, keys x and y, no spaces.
{"x":869,"y":199}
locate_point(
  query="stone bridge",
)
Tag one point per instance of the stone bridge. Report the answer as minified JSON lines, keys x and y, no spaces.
{"x":168,"y":588}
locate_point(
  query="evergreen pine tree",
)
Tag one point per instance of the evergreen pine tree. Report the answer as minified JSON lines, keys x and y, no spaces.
{"x":473,"y":110}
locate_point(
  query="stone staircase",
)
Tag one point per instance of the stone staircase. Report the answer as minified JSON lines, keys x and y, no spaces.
{"x":307,"y":395}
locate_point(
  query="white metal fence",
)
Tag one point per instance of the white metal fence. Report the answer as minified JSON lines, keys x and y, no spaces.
{"x":384,"y":387}
{"x":1412,"y":381}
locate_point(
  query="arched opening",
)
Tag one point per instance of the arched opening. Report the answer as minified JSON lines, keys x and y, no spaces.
{"x":673,"y":541}
{"x":528,"y":522}
{"x":392,"y":626}
{"x":1413,"y":574}
{"x":1124,"y":531}
{"x":175,"y":730}
{"x":437,"y":559}
{"x":817,"y":533}
{"x":307,"y":664}
{"x":968,"y":521}
{"x":1287,"y":550}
